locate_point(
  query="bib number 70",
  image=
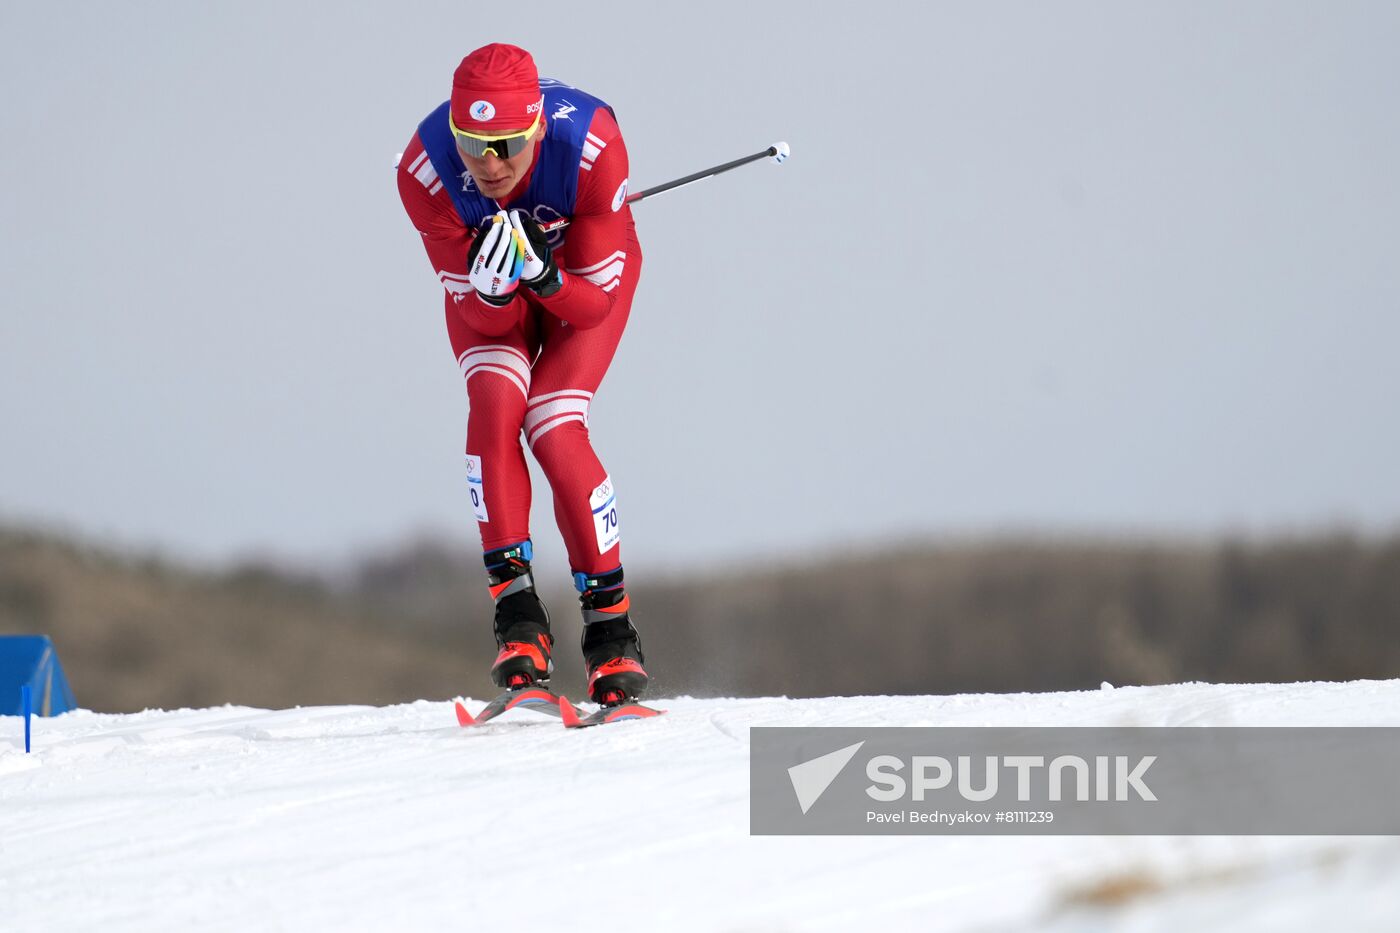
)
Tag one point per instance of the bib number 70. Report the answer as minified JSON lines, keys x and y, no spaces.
{"x":603,"y":502}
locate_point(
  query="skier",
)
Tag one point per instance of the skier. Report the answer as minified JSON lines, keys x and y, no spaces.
{"x":534,"y":321}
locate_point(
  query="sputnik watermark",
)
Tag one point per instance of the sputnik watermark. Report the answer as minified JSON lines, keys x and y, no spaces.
{"x":1106,"y":778}
{"x":1114,"y":779}
{"x":1066,"y":781}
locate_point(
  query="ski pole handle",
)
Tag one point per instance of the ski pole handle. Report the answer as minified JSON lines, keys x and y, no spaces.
{"x":778,"y":152}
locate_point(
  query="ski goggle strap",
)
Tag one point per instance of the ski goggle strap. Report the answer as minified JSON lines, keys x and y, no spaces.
{"x":504,"y":147}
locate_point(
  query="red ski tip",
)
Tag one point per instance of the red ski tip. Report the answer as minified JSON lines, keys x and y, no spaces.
{"x":567,"y":712}
{"x":464,"y":718}
{"x":629,"y":711}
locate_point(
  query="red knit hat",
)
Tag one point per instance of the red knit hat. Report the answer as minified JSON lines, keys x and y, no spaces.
{"x":495,"y":89}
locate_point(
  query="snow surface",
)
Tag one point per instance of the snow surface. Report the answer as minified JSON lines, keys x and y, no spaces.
{"x":357,"y":818}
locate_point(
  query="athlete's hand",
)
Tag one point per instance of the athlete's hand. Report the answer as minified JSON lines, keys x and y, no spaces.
{"x":495,"y":260}
{"x":541,"y":273}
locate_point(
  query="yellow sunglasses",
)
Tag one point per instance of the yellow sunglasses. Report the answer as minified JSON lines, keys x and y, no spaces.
{"x":504,"y":147}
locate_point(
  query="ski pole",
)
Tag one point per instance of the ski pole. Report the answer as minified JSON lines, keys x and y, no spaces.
{"x":778,"y":152}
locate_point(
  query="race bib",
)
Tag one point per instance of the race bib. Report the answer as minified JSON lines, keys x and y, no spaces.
{"x":604,"y":505}
{"x":476,"y":488}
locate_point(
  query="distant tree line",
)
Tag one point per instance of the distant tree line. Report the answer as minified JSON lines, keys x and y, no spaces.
{"x":995,"y":616}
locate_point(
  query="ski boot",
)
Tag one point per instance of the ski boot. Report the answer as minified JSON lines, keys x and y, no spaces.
{"x":522,"y":622}
{"x":612,"y":652}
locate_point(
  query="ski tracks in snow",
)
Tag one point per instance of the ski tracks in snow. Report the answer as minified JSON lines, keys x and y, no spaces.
{"x":356,"y":817}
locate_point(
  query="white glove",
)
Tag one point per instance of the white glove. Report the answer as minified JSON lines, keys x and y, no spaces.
{"x":541,"y":275}
{"x":536,"y":259}
{"x":495,"y":260}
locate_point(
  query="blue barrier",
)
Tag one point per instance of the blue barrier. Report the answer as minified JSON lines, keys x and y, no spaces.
{"x":32,"y":661}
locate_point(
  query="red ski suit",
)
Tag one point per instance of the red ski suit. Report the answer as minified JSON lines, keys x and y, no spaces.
{"x":534,"y":366}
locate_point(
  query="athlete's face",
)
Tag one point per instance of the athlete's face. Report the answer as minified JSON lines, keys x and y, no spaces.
{"x":496,"y":177}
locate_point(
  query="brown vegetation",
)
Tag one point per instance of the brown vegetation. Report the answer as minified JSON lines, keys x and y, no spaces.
{"x":998,"y":616}
{"x":134,"y":634}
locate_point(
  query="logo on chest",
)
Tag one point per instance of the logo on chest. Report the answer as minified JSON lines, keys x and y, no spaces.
{"x":544,"y":214}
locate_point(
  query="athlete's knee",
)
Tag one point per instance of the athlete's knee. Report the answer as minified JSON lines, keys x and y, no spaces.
{"x":557,"y":417}
{"x":497,"y":377}
{"x":496,"y":394}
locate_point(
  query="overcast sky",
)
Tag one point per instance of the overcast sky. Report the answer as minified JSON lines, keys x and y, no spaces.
{"x":1070,"y":266}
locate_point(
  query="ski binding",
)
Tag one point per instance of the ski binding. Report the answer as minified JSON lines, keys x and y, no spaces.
{"x":531,"y":696}
{"x":605,"y":714}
